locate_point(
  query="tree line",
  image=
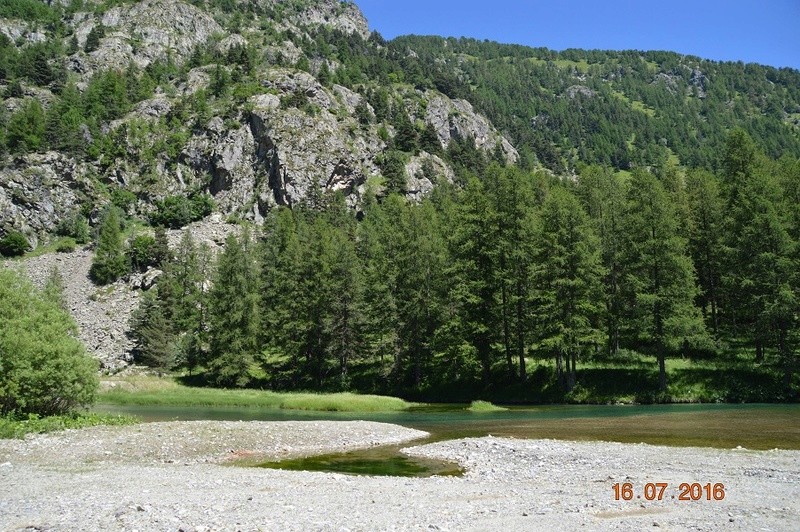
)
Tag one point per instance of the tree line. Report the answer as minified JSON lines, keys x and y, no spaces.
{"x":467,"y":287}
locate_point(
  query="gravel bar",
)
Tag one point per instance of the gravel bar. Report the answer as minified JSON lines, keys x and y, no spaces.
{"x":176,"y":476}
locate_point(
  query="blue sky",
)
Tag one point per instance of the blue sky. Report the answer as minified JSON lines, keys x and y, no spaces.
{"x":766,"y":31}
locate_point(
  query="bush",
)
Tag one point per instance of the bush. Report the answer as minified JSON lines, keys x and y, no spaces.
{"x":74,"y":226}
{"x":14,"y":244}
{"x":123,"y":199}
{"x":66,"y":245}
{"x":178,"y":211}
{"x":44,"y":369}
{"x":142,"y":253}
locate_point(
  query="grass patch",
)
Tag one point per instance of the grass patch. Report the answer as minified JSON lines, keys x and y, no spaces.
{"x":33,"y":424}
{"x":484,"y":406}
{"x":154,"y":391}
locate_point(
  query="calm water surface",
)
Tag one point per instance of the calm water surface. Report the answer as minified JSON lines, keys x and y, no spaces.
{"x":721,"y":426}
{"x":753,"y":426}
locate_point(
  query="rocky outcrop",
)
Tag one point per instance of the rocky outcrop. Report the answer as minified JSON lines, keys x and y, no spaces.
{"x":142,"y":32}
{"x":39,"y":190}
{"x":423,"y":172}
{"x":102,"y":313}
{"x":19,"y":30}
{"x":295,"y":137}
{"x":582,"y":90}
{"x":335,"y":14}
{"x":457,"y":119}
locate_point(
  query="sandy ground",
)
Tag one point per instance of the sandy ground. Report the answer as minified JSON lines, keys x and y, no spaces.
{"x":176,"y":476}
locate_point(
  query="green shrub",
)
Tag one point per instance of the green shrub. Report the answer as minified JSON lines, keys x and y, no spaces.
{"x":66,"y":245}
{"x":14,"y":244}
{"x":44,"y":369}
{"x":178,"y":211}
{"x":142,"y":253}
{"x":123,"y":199}
{"x":74,"y":226}
{"x":34,"y":424}
{"x":484,"y":406}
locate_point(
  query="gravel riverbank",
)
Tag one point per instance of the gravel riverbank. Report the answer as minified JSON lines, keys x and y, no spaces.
{"x":173,"y":476}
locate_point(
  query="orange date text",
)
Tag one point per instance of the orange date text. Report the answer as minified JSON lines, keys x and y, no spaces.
{"x":659,"y":491}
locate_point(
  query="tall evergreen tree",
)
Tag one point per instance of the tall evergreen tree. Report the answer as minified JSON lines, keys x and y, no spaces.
{"x":153,"y":333}
{"x":380,"y":237}
{"x":604,"y":197}
{"x":418,"y":292}
{"x":567,"y":283}
{"x":109,"y":263}
{"x":661,"y":279}
{"x":233,"y":314}
{"x":705,"y":241}
{"x":474,"y":284}
{"x":758,"y":265}
{"x":513,"y":198}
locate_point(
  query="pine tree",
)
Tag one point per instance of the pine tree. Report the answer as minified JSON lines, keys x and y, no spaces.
{"x":97,"y":32}
{"x":512,"y":195}
{"x":705,"y":241}
{"x":284,"y":322}
{"x":567,"y":284}
{"x":233,"y":314}
{"x":26,"y":128}
{"x":419,"y":292}
{"x":603,"y":195}
{"x":474,"y":279}
{"x":344,"y":310}
{"x":661,"y":279}
{"x":153,"y":333}
{"x":379,"y":239}
{"x":109,"y":262}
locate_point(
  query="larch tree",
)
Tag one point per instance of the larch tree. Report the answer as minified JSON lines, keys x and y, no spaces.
{"x":233,"y":314}
{"x":109,"y":262}
{"x":604,"y":197}
{"x":706,"y":241}
{"x":567,"y":284}
{"x":660,"y":278}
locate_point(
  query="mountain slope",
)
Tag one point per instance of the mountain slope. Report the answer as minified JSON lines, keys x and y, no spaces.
{"x":164,"y":98}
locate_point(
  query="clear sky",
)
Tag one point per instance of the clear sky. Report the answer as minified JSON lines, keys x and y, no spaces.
{"x":765,"y":31}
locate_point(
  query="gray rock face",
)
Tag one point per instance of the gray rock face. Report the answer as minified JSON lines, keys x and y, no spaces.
{"x":281,"y":151}
{"x":583,"y":90}
{"x":335,"y":14}
{"x":39,"y":190}
{"x":457,"y":119}
{"x":320,"y":144}
{"x":699,"y":80}
{"x":423,"y":172}
{"x":143,"y":32}
{"x":103,"y":314}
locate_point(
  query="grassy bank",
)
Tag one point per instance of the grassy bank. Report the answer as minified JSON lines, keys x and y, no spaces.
{"x":484,"y":406}
{"x":18,"y":428}
{"x":147,"y":390}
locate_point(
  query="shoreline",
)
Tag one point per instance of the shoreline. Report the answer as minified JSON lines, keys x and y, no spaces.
{"x":169,"y":476}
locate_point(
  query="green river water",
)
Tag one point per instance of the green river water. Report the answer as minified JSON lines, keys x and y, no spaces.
{"x":752,"y":426}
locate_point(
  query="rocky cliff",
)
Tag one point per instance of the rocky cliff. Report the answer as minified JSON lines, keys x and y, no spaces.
{"x":289,"y":132}
{"x":257,"y":107}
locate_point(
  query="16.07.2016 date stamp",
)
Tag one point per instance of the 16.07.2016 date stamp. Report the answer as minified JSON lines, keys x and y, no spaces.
{"x":657,"y":491}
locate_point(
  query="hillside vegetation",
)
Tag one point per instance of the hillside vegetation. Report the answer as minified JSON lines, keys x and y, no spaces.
{"x":429,"y":217}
